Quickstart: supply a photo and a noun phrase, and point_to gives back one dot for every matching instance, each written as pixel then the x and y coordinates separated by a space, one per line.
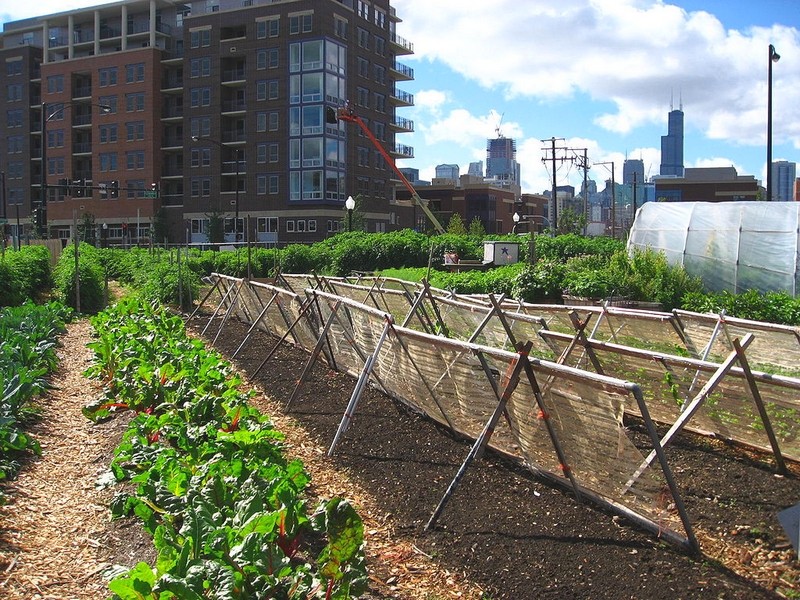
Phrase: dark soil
pixel 515 535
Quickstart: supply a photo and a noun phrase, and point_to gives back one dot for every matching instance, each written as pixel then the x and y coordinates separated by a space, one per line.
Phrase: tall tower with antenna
pixel 672 143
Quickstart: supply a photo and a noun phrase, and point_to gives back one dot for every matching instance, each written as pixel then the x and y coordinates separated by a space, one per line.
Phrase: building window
pixel 294 154
pixel 380 45
pixel 268 28
pixel 273 153
pixel 261 121
pixel 261 154
pixel 201 186
pixel 55 166
pixel 312 55
pixel 290 226
pixel 15 143
pixel 380 103
pixel 134 130
pixel 312 185
pixel 380 18
pixel 14 118
pixel 134 73
pixel 14 92
pixel 362 156
pixel 340 27
pixel 14 67
pixel 200 38
pixel 108 161
pixel 200 97
pixel 273 121
pixel 301 226
pixel 380 74
pixel 363 67
pixel 300 23
pixel 363 38
pixel 55 138
pixel 312 87
pixel 200 67
pixel 110 102
pixel 55 84
pixel 261 184
pixel 272 89
pixel 134 160
pixel 273 184
pixel 200 126
pixel 267 224
pixel 363 9
pixel 200 157
pixel 362 96
pixel 108 133
pixel 108 76
pixel 134 102
pixel 312 225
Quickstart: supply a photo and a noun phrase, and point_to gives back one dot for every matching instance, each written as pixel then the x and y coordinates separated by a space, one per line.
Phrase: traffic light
pixel 154 190
pixel 115 189
pixel 77 188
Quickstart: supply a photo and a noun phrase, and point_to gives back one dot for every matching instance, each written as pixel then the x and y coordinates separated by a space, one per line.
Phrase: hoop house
pixel 732 246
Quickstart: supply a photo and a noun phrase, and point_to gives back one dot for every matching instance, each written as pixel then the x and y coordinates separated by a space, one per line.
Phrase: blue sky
pixel 600 73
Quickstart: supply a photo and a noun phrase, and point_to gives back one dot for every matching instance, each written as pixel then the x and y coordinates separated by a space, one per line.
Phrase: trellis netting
pixel 733 246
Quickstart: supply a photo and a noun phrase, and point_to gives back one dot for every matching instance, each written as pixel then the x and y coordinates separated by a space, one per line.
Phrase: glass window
pixel 312 120
pixel 312 185
pixel 312 87
pixel 294 154
pixel 312 152
pixel 294 57
pixel 312 55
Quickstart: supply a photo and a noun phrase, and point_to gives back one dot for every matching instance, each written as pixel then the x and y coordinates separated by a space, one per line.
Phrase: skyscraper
pixel 476 169
pixel 501 164
pixel 672 145
pixel 205 107
pixel 447 171
pixel 784 174
pixel 630 168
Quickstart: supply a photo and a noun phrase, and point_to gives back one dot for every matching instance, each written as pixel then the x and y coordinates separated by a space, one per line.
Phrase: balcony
pixel 401 124
pixel 402 151
pixel 401 46
pixel 230 106
pixel 402 98
pixel 233 75
pixel 402 72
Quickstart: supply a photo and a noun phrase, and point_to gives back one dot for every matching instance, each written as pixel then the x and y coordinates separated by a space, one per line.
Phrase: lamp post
pixel 516 219
pixel 43 180
pixel 349 204
pixel 236 150
pixel 773 58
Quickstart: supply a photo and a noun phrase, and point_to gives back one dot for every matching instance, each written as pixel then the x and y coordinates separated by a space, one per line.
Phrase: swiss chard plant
pixel 206 474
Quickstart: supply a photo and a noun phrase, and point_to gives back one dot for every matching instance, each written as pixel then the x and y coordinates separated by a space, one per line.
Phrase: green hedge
pixel 24 275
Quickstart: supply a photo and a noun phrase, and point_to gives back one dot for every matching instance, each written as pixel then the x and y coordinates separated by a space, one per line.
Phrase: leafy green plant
pixel 207 476
pixel 27 356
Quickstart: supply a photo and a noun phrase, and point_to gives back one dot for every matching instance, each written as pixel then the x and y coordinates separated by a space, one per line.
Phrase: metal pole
pixel 236 216
pixel 773 57
pixel 77 263
pixel 349 220
pixel 43 179
pixel 554 220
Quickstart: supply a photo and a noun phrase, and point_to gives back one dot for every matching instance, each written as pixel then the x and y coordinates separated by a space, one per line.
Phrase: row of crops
pixel 29 335
pixel 207 475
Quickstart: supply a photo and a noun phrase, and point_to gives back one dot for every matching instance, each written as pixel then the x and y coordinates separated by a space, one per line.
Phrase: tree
pixel 160 230
pixel 570 221
pixel 216 227
pixel 456 225
pixel 476 228
pixel 86 229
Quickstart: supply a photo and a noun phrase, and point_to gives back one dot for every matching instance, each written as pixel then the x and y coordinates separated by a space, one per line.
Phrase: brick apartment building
pixel 166 115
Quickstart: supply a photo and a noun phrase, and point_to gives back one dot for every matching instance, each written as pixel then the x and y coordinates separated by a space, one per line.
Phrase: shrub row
pixel 225 508
pixel 24 275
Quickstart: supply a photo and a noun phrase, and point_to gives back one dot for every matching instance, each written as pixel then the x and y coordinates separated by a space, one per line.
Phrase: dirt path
pixel 53 524
pixel 56 539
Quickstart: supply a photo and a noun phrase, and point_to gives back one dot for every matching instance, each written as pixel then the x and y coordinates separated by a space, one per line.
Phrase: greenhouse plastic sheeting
pixel 733 246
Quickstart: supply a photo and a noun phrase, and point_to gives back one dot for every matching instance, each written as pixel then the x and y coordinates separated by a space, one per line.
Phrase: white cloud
pixel 630 53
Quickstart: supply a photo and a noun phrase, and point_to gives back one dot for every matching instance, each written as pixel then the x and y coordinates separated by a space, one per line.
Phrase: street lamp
pixel 105 109
pixel 236 150
pixel 349 204
pixel 516 219
pixel 773 58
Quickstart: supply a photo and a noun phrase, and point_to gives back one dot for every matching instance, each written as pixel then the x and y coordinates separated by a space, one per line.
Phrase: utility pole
pixel 555 159
pixel 583 163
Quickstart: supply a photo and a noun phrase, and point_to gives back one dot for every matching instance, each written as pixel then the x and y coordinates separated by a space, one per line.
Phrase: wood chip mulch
pixel 56 538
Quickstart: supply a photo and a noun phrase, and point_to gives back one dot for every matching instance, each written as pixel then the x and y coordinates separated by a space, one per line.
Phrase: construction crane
pixel 346 113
